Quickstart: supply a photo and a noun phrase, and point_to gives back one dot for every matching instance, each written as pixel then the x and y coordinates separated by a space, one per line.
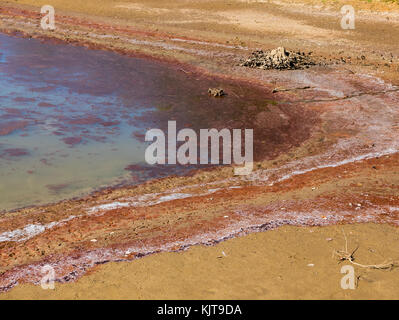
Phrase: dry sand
pixel 287 263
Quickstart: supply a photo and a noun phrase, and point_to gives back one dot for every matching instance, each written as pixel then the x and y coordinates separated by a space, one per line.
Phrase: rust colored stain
pixel 46 105
pixel 151 225
pixel 13 152
pixel 11 126
pixel 57 188
pixel 72 140
pixel 22 99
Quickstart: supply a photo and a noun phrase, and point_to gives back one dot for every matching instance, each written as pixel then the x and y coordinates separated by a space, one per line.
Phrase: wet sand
pixel 345 172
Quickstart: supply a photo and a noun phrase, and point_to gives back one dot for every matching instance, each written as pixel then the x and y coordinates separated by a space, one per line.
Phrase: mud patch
pixel 13 153
pixel 279 59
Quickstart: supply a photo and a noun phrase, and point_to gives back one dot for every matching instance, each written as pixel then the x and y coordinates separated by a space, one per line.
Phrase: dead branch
pixel 345 255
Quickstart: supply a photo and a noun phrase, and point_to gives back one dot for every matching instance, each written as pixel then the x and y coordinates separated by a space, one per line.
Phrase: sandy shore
pixel 288 263
pixel 345 171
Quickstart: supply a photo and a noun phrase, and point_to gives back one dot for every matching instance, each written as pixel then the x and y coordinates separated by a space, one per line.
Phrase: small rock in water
pixel 216 92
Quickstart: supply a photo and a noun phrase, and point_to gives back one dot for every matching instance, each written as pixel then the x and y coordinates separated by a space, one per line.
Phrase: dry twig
pixel 345 255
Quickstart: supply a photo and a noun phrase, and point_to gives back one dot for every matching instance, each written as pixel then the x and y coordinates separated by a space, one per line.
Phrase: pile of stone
pixel 280 59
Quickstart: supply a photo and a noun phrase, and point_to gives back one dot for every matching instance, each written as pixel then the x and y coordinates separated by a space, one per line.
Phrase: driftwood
pixel 346 255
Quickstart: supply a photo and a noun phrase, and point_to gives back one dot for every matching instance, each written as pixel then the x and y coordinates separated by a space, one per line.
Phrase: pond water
pixel 73 120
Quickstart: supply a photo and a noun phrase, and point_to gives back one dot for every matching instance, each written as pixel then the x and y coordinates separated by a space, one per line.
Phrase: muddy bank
pixel 197 29
pixel 126 224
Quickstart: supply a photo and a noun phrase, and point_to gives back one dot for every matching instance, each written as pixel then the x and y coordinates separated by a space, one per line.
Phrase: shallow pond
pixel 73 120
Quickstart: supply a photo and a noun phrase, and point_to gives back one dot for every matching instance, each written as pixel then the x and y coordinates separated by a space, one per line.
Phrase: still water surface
pixel 73 120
